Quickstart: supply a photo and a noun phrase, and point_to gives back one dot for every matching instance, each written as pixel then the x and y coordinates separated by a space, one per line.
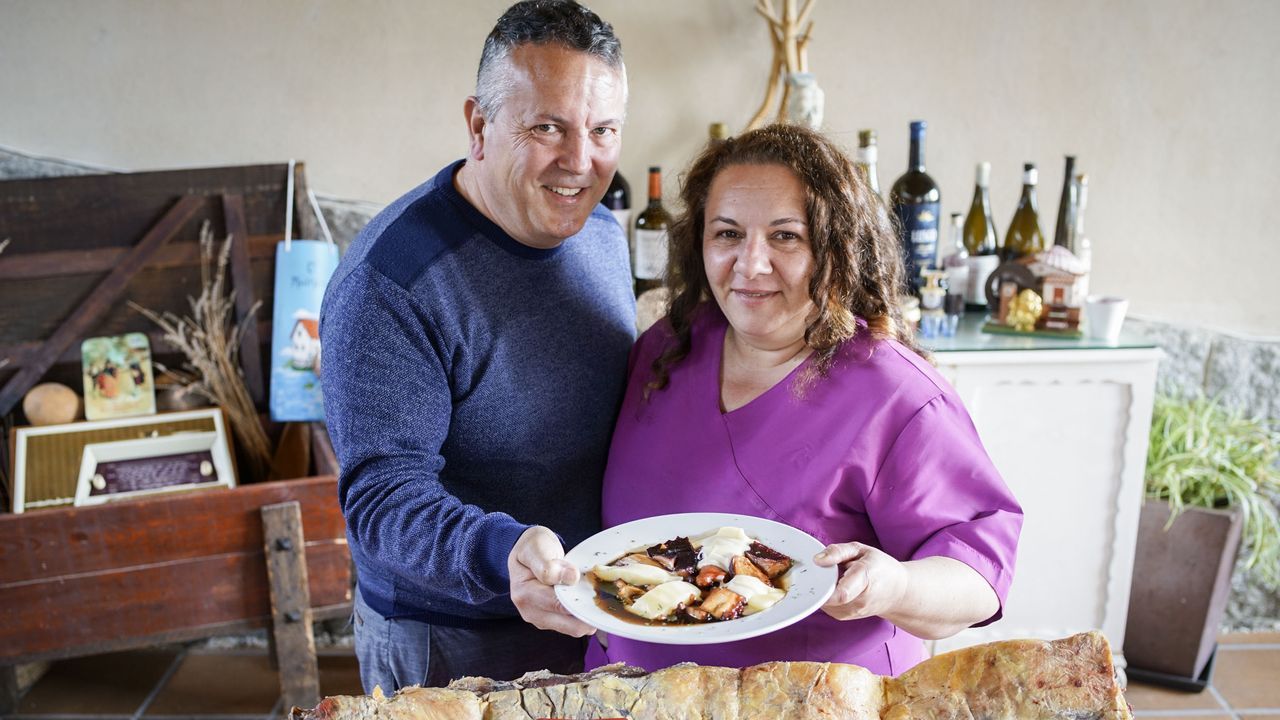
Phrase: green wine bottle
pixel 1066 206
pixel 718 132
pixel 1025 237
pixel 979 226
pixel 980 239
pixel 649 241
pixel 865 159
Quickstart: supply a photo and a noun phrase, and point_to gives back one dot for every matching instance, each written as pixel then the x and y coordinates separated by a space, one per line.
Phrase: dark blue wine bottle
pixel 917 201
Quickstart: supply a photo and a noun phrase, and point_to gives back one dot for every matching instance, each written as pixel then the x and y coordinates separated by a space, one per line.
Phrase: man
pixel 475 341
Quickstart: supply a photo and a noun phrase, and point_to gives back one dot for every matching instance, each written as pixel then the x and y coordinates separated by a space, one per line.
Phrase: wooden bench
pixel 89 580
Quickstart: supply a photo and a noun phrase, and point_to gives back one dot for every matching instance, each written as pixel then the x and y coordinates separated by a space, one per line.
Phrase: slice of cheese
pixel 634 574
pixel 759 596
pixel 664 599
pixel 719 549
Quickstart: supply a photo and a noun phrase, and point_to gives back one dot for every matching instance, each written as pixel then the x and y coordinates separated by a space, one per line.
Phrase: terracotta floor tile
pixel 1152 697
pixel 1251 638
pixel 339 675
pixel 219 683
pixel 1249 678
pixel 115 683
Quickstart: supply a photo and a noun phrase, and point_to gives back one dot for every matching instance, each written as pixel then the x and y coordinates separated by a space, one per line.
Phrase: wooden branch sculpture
pixel 790 54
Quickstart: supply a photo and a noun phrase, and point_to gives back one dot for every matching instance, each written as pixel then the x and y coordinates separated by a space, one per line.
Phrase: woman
pixel 783 384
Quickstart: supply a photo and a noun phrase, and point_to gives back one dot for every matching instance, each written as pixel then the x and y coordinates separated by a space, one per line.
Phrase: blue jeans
pixel 396 652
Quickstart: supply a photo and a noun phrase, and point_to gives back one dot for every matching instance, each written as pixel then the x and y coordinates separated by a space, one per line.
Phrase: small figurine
pixel 1024 311
pixel 1055 277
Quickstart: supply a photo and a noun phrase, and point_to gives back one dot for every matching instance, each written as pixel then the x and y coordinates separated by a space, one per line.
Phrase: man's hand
pixel 535 564
pixel 873 583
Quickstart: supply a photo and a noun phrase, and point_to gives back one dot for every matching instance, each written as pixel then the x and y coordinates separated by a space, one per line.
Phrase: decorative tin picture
pixel 118 380
pixel 303 268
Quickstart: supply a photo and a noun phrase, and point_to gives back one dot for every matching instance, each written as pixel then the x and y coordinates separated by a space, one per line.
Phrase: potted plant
pixel 1211 483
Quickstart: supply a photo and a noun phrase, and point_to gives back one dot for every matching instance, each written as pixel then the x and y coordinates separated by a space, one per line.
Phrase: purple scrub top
pixel 880 451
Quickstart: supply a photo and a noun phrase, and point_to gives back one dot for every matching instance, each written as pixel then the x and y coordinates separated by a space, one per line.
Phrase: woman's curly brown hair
pixel 857 262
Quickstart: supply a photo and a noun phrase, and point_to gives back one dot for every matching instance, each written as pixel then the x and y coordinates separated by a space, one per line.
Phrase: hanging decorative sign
pixel 303 269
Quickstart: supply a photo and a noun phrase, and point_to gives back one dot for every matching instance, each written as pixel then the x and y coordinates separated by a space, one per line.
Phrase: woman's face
pixel 755 245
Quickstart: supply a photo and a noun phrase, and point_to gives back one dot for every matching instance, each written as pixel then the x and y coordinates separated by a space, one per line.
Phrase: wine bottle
pixel 719 132
pixel 1080 245
pixel 649 241
pixel 1025 237
pixel 980 238
pixel 618 200
pixel 917 200
pixel 1066 206
pixel 865 159
pixel 956 263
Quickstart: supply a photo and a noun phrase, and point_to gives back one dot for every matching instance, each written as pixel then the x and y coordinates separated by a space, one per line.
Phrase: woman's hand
pixel 931 598
pixel 872 582
pixel 536 564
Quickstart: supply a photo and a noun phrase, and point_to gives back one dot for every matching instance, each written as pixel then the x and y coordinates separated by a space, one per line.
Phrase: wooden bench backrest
pixel 79 581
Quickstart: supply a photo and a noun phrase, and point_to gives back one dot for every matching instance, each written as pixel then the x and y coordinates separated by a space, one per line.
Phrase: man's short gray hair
pixel 540 22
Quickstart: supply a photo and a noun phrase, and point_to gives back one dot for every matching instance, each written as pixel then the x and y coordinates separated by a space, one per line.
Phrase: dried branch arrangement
pixel 210 340
pixel 790 53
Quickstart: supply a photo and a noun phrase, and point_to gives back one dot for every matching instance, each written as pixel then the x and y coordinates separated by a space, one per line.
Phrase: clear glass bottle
pixel 956 263
pixel 1080 245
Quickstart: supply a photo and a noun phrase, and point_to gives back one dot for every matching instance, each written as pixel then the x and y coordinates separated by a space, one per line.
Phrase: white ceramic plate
pixel 811 585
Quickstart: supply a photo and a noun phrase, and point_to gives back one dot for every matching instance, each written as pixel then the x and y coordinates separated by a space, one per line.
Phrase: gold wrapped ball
pixel 1025 310
pixel 51 404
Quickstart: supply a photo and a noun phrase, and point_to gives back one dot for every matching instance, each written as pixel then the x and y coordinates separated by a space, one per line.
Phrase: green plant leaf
pixel 1202 454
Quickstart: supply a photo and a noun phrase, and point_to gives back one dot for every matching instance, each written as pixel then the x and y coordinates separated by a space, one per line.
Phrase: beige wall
pixel 1169 104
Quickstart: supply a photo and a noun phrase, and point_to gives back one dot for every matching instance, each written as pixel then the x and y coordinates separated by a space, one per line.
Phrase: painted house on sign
pixel 304 344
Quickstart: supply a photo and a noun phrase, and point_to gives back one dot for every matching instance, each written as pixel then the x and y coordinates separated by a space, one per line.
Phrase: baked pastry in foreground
pixel 1026 679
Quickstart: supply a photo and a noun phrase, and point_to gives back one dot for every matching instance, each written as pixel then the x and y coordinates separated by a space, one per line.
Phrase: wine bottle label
pixel 650 261
pixel 624 218
pixel 980 268
pixel 958 278
pixel 920 238
pixel 866 155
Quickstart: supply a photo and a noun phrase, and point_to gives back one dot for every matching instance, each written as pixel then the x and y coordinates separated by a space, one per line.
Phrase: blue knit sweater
pixel 470 386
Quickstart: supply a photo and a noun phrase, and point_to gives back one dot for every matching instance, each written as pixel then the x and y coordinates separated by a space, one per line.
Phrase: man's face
pixel 544 161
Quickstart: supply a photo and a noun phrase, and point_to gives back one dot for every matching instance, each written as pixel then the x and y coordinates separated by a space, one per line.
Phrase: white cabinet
pixel 1066 423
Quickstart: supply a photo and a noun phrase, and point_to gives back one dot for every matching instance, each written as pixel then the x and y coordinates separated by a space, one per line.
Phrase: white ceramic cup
pixel 1104 316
